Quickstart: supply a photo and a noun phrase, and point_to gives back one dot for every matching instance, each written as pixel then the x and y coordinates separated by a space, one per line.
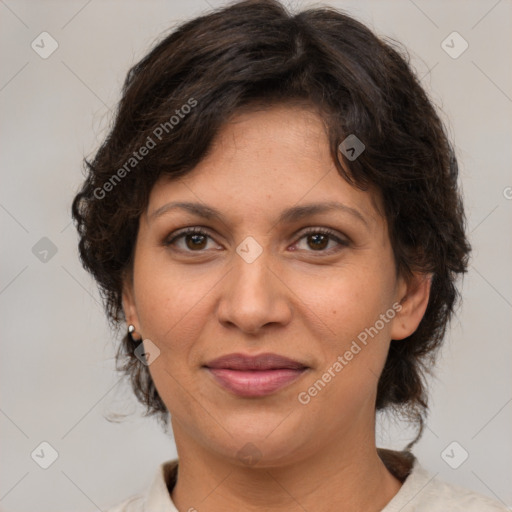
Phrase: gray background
pixel 57 363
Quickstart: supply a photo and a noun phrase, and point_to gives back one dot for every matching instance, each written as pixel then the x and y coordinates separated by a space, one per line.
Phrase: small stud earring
pixel 131 330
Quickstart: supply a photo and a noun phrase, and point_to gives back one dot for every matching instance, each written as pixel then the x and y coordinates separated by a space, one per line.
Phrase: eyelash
pixel 197 230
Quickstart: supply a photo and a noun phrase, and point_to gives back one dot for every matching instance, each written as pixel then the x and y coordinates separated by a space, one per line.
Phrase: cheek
pixel 350 299
pixel 170 300
pixel 173 309
pixel 351 305
pixel 355 345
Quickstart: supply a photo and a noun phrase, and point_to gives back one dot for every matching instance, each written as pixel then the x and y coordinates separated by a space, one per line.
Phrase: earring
pixel 131 329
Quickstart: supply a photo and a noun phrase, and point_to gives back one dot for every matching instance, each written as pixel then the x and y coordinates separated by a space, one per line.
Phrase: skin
pixel 295 299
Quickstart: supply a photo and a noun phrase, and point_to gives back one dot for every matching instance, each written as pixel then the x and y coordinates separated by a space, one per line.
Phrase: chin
pixel 263 444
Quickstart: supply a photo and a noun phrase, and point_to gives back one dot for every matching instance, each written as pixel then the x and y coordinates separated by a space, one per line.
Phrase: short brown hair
pixel 255 51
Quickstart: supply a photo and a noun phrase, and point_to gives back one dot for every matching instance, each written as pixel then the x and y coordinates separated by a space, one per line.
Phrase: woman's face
pixel 260 278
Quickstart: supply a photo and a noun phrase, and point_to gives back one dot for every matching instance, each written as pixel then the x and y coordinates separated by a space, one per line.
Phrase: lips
pixel 260 362
pixel 254 376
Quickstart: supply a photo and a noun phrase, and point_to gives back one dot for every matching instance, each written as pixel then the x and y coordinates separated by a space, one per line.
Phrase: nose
pixel 254 296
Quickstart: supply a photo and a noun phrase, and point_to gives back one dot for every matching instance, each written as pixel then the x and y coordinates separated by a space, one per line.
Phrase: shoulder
pixel 156 496
pixel 421 492
pixel 133 504
pixel 444 496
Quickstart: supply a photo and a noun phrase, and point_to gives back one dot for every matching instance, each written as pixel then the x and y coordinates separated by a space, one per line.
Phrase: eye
pixel 318 239
pixel 194 239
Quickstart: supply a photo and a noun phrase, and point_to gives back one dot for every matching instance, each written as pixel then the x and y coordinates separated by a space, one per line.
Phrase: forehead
pixel 264 160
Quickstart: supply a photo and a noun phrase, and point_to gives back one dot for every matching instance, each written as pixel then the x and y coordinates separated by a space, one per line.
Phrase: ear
pixel 413 295
pixel 129 306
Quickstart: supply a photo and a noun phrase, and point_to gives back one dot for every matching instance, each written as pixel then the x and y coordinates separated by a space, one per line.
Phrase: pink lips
pixel 255 376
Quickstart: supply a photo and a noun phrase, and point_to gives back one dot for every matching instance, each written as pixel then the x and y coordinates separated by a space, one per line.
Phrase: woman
pixel 276 219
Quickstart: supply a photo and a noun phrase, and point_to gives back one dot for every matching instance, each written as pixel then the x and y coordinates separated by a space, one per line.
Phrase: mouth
pixel 255 376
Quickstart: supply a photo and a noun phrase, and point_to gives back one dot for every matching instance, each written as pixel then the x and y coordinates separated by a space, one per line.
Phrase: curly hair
pixel 176 99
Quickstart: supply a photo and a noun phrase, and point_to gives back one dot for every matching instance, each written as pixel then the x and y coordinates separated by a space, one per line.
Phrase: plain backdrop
pixel 57 368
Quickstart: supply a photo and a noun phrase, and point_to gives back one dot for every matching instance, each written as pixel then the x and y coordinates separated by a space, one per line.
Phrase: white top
pixel 420 491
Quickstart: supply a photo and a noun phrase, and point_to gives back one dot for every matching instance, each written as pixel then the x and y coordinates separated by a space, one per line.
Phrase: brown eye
pixel 195 241
pixel 189 240
pixel 319 239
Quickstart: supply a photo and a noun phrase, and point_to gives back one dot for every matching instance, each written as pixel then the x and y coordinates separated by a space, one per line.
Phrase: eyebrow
pixel 289 215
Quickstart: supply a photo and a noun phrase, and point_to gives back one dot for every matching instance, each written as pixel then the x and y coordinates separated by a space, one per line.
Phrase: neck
pixel 349 477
